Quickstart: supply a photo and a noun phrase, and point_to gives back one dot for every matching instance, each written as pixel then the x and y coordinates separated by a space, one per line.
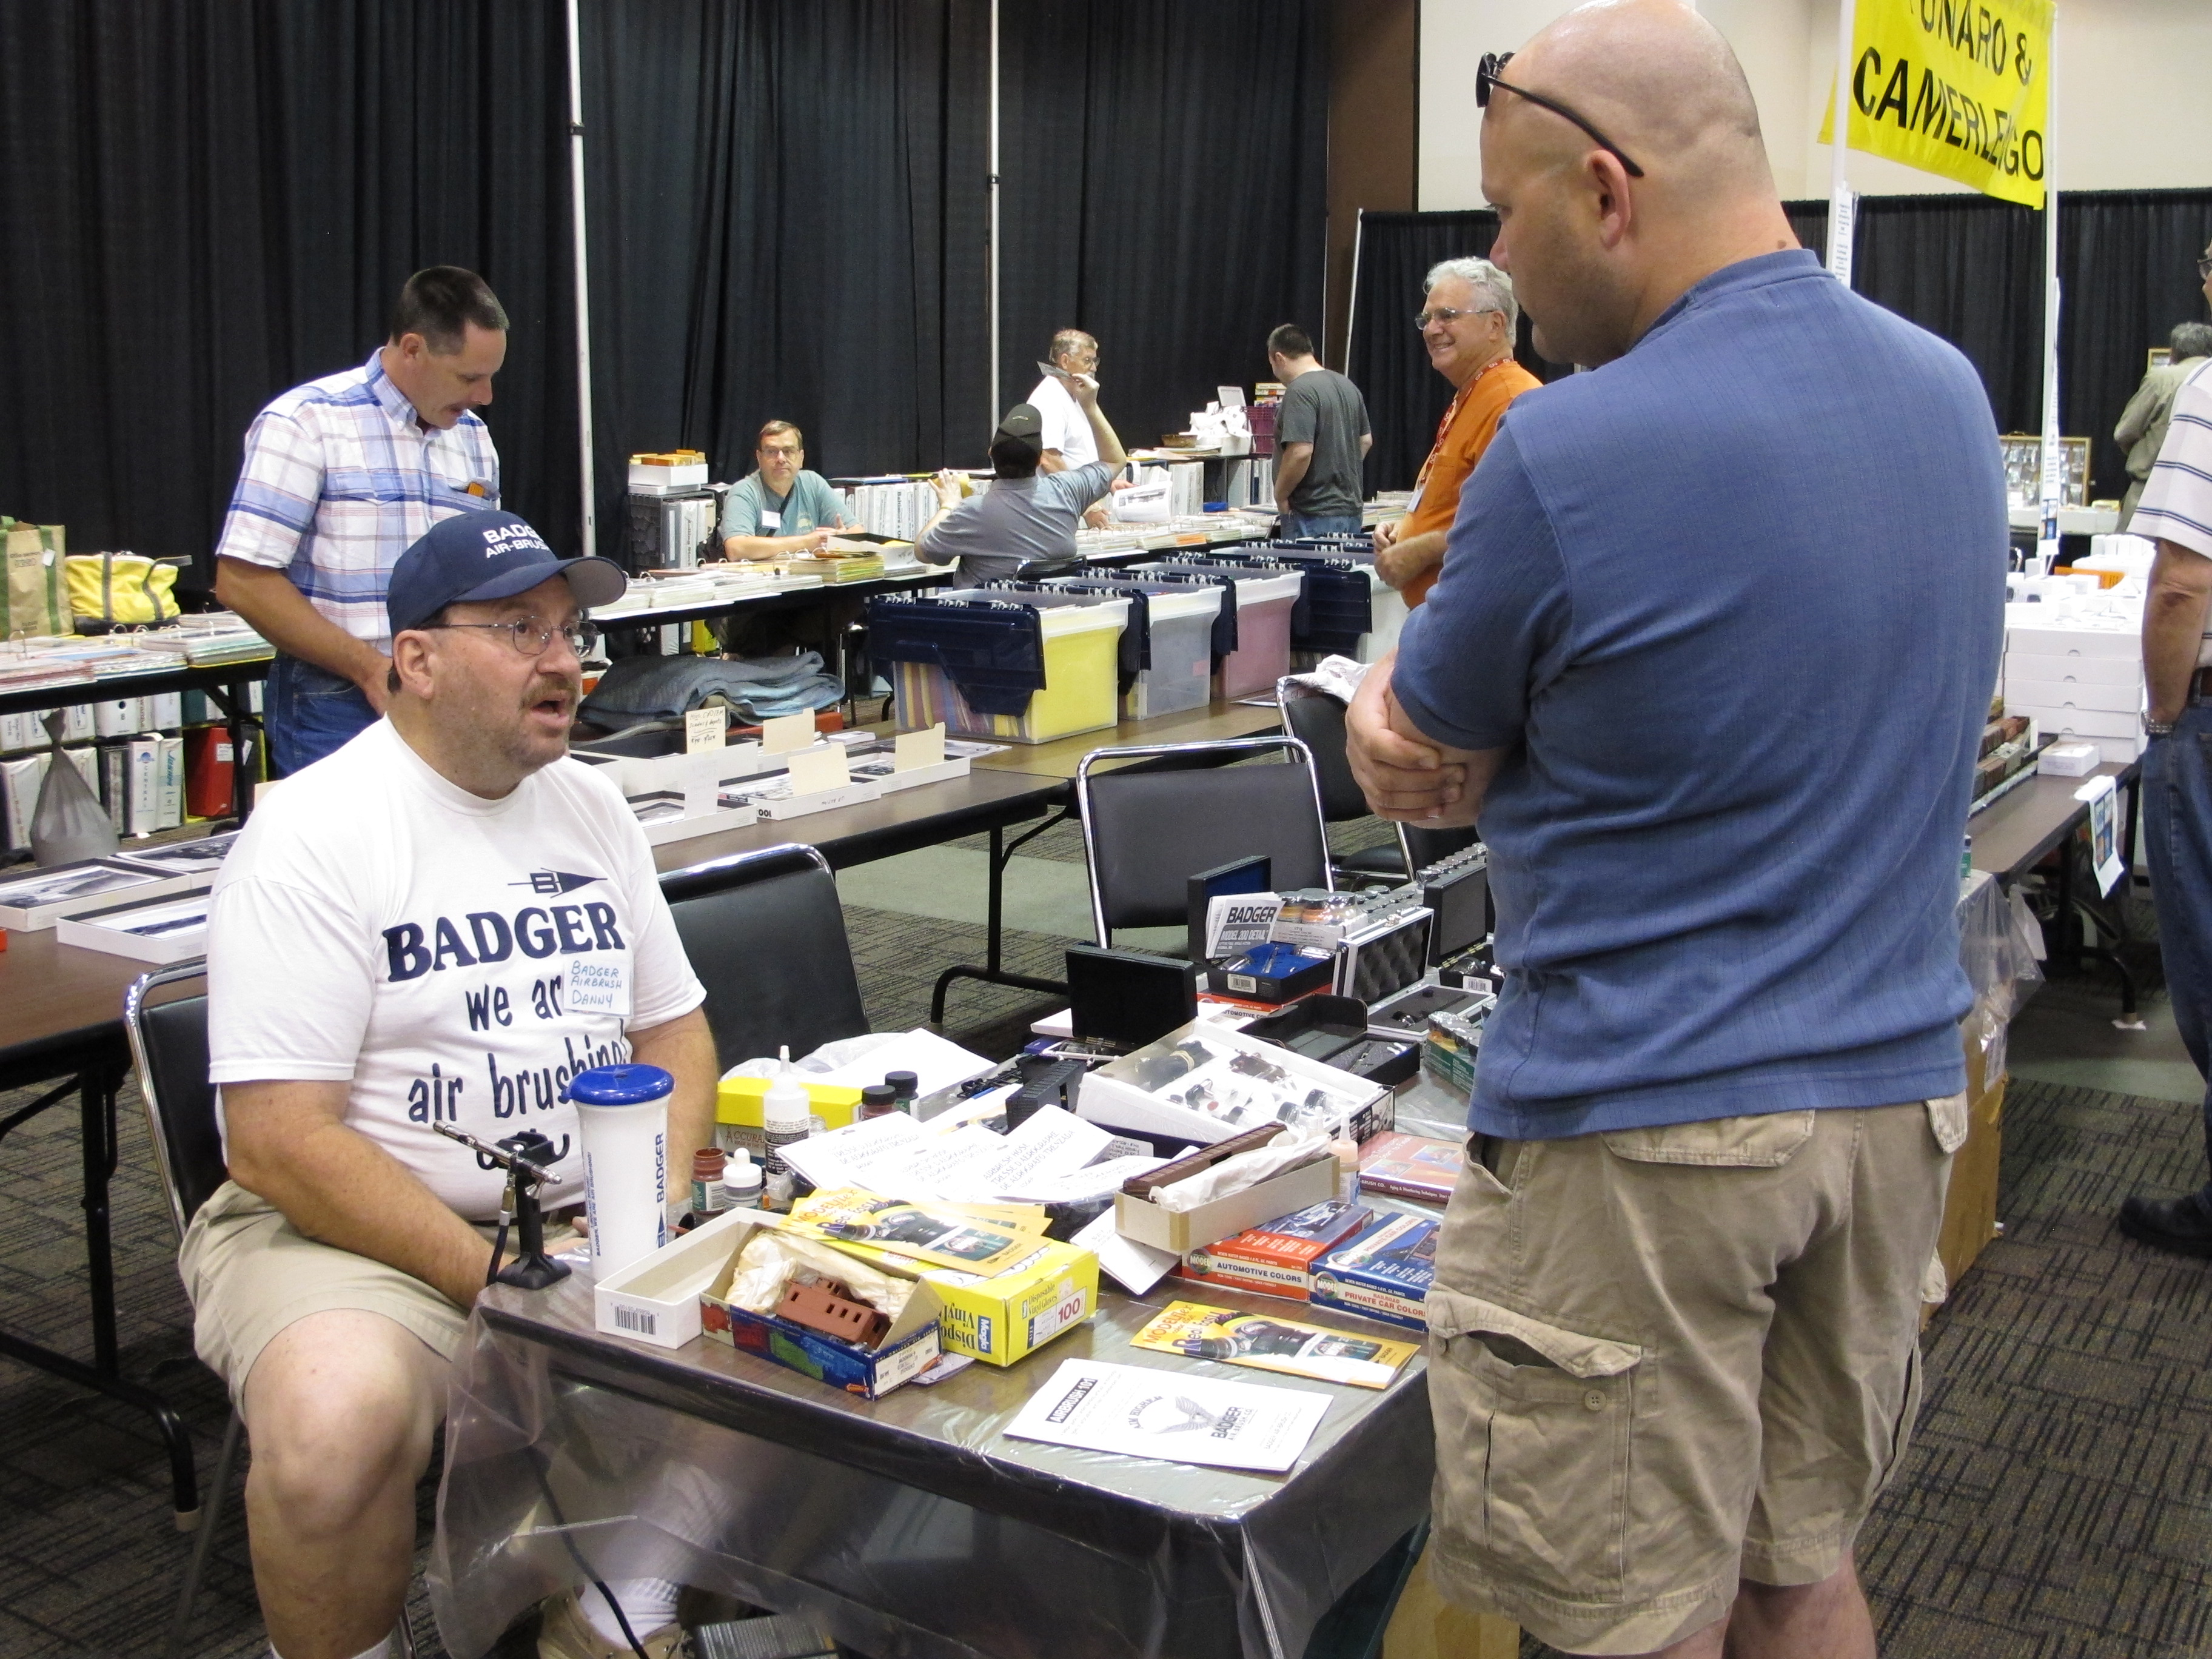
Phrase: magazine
pixel 1268 1344
pixel 1171 1415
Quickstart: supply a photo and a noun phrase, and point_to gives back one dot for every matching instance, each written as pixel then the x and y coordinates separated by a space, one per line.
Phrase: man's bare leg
pixel 1827 1620
pixel 340 1408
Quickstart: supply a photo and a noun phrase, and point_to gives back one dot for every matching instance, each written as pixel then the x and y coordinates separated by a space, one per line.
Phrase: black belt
pixel 2200 685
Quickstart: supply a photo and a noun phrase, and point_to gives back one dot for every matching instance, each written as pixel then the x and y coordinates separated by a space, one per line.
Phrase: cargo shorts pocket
pixel 1766 1141
pixel 1534 1427
pixel 1947 1120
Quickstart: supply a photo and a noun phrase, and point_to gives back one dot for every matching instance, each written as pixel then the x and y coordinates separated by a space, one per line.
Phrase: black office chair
pixel 1318 718
pixel 766 935
pixel 169 1042
pixel 1146 833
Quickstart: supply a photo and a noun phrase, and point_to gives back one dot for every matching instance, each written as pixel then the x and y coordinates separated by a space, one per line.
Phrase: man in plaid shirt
pixel 342 475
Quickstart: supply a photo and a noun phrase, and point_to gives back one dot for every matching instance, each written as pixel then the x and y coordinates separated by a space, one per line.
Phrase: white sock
pixel 647 1604
pixel 381 1650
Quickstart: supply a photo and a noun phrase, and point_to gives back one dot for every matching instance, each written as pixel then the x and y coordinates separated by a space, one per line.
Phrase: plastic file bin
pixel 1175 666
pixel 1080 640
pixel 1365 631
pixel 1264 600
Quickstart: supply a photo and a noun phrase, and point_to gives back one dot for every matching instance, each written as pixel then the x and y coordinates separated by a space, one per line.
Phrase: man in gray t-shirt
pixel 1028 512
pixel 1321 436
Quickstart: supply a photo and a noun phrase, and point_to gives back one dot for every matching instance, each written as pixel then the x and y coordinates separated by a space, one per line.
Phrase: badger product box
pixel 901 1353
pixel 1277 1260
pixel 1011 1314
pixel 1384 1273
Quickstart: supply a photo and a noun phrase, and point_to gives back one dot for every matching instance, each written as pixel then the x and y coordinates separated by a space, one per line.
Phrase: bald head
pixel 1596 252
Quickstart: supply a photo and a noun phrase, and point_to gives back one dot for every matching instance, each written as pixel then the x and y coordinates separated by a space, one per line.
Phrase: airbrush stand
pixel 525 1157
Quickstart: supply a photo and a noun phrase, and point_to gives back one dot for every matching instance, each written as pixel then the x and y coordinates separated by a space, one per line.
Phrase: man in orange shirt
pixel 1467 327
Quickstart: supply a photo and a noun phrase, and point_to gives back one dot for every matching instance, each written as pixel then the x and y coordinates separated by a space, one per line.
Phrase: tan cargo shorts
pixel 250 1273
pixel 1663 1360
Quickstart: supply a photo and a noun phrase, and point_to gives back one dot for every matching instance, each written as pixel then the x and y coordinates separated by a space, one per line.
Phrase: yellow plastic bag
pixel 122 587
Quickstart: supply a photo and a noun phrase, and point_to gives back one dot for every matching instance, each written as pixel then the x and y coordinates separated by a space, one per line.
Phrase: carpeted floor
pixel 2057 1500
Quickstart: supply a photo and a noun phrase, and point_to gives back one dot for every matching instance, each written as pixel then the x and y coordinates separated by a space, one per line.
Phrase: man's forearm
pixel 1290 471
pixel 280 613
pixel 1400 562
pixel 684 1049
pixel 337 1186
pixel 2174 627
pixel 764 547
pixel 1102 433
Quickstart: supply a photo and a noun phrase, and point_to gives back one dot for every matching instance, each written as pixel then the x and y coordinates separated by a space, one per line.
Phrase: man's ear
pixel 412 654
pixel 1607 182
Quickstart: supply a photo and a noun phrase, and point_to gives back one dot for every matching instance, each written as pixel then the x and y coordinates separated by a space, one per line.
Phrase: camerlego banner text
pixel 1953 87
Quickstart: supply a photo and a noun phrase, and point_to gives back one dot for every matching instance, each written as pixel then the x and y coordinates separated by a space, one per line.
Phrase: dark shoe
pixel 2180 1224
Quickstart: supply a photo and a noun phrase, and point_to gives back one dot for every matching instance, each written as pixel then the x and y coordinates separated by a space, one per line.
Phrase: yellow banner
pixel 1952 88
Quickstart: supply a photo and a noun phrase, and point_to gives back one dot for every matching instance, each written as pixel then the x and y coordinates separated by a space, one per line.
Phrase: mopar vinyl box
pixel 907 1349
pixel 1011 1314
pixel 1384 1273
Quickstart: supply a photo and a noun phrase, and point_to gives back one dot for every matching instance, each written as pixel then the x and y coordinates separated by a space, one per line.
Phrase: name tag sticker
pixel 771 522
pixel 599 985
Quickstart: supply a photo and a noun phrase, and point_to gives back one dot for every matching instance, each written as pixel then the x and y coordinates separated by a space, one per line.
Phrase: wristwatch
pixel 2157 728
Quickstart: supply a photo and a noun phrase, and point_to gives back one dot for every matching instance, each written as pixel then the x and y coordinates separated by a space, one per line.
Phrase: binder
pixel 144 785
pixel 168 783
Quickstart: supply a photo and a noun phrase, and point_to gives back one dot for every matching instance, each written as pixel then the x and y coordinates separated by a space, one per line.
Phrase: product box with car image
pixel 1206 1082
pixel 1278 1259
pixel 1384 1273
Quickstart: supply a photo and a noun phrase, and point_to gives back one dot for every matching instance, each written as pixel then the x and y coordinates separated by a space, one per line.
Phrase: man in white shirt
pixel 397 943
pixel 1069 441
pixel 2176 511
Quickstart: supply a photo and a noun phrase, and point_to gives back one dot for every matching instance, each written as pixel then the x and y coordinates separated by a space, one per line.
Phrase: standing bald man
pixel 1710 656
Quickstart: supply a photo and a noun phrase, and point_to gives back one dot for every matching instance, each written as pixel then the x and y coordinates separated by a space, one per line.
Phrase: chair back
pixel 169 1042
pixel 766 935
pixel 1316 719
pixel 1146 833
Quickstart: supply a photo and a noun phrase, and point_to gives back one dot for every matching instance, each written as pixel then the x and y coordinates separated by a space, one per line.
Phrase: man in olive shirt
pixel 780 509
pixel 2141 430
pixel 1321 436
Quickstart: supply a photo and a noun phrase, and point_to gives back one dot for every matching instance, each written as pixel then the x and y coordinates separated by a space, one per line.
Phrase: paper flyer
pixel 1171 1416
pixel 942 1238
pixel 1268 1344
pixel 2103 832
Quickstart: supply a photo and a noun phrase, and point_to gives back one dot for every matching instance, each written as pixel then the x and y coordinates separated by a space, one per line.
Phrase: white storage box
pixel 2022 664
pixel 2077 758
pixel 656 1297
pixel 1143 1090
pixel 2061 723
pixel 2076 641
pixel 2050 697
pixel 163 932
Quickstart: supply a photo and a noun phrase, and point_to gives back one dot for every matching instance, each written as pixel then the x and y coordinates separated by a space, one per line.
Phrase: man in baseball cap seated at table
pixel 394 945
pixel 1031 510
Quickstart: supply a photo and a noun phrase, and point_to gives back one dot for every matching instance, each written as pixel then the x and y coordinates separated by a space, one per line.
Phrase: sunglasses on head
pixel 1485 77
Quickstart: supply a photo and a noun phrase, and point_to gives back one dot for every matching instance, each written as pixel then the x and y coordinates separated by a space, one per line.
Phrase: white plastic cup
pixel 621 1117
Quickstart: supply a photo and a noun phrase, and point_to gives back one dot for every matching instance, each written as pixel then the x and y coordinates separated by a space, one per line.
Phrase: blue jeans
pixel 309 712
pixel 1318 524
pixel 2177 827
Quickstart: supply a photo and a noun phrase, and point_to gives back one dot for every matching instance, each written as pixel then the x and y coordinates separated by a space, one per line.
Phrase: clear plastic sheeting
pixel 2001 947
pixel 910 1525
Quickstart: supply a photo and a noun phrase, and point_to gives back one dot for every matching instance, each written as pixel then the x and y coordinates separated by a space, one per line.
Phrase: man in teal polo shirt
pixel 780 509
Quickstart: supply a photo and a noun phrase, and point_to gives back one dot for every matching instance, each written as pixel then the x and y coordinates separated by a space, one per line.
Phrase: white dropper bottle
pixel 786 1115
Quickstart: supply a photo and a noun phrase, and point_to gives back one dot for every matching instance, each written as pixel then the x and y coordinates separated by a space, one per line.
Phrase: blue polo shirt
pixel 1734 603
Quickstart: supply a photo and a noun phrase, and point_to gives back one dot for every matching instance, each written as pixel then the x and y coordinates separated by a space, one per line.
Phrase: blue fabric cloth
pixel 309 712
pixel 1293 524
pixel 2177 808
pixel 1734 604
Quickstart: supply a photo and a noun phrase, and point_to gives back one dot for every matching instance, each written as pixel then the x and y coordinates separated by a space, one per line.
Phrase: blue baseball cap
pixel 488 556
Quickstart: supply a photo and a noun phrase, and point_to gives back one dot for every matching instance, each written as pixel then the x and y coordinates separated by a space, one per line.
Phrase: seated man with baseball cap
pixel 1030 511
pixel 394 945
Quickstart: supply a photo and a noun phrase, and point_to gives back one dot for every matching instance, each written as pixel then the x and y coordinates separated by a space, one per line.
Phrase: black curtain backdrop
pixel 1165 189
pixel 1967 268
pixel 206 204
pixel 1406 399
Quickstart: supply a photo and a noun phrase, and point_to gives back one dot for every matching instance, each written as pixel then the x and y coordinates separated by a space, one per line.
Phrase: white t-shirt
pixel 454 959
pixel 1066 427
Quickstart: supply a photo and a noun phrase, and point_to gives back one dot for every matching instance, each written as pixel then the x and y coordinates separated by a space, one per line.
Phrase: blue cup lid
pixel 618 1086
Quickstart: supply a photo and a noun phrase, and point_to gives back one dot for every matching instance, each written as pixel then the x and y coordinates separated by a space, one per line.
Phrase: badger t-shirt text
pixel 455 960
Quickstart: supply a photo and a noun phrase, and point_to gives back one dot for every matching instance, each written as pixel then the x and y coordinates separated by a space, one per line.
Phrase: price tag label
pixel 705 729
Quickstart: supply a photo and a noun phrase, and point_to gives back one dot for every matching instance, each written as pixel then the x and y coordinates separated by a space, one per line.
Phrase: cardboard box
pixel 903 1352
pixel 1969 1202
pixel 1384 1273
pixel 1185 1231
pixel 1278 1259
pixel 1117 1094
pixel 2020 664
pixel 2024 695
pixel 1009 1315
pixel 2085 723
pixel 738 1102
pixel 2075 642
pixel 655 1299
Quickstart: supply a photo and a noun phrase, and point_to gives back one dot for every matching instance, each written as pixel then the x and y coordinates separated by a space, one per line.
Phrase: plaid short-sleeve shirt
pixel 340 479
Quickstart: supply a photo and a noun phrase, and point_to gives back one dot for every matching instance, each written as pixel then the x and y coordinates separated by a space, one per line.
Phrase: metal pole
pixel 1842 205
pixel 1351 300
pixel 2054 452
pixel 990 234
pixel 583 285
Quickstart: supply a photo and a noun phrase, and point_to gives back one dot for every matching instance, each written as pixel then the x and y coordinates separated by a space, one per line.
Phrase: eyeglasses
pixel 1485 77
pixel 532 638
pixel 784 454
pixel 1446 314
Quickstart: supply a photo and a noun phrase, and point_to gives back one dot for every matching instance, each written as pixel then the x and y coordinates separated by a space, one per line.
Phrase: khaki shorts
pixel 1663 1360
pixel 250 1273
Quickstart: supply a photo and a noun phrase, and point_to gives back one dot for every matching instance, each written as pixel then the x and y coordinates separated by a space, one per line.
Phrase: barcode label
pixel 635 1319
